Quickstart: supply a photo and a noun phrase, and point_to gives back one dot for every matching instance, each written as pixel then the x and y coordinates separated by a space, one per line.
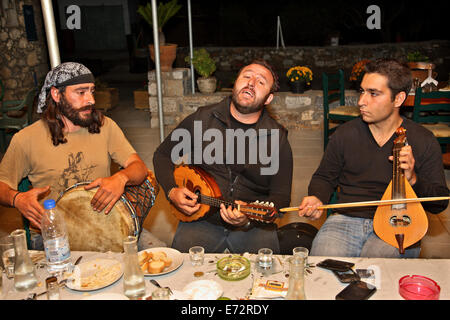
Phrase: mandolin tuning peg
pixel 256 202
pixel 272 205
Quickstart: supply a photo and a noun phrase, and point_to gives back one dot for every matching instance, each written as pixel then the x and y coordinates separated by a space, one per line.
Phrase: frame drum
pixel 89 230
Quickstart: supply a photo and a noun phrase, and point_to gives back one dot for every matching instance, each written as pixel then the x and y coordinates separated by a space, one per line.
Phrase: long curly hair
pixel 52 116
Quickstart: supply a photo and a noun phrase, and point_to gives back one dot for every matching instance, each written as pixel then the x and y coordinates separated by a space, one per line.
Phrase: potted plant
pixel 357 73
pixel 299 77
pixel 165 11
pixel 205 67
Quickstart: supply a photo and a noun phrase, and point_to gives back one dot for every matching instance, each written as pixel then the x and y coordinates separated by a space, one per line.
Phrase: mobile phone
pixel 346 276
pixel 365 273
pixel 336 265
pixel 356 290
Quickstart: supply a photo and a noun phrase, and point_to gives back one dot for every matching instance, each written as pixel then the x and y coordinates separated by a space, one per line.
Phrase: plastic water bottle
pixel 56 242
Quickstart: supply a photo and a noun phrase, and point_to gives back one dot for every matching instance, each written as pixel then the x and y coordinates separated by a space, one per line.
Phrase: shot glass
pixel 265 258
pixel 52 288
pixel 161 294
pixel 197 255
pixel 8 255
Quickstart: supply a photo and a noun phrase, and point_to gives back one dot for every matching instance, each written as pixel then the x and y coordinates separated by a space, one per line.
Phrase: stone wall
pixel 294 111
pixel 320 59
pixel 21 61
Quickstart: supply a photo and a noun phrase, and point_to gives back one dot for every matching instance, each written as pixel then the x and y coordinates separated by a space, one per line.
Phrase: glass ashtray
pixel 418 288
pixel 233 268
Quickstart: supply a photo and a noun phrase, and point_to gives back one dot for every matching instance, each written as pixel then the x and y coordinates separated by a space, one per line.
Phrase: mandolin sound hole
pixel 402 221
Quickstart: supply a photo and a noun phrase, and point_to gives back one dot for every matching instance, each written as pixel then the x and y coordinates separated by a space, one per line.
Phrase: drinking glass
pixel 7 254
pixel 161 294
pixel 265 258
pixel 197 255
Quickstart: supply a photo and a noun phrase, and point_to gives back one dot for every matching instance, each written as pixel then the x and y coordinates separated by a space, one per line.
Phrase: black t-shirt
pixel 354 162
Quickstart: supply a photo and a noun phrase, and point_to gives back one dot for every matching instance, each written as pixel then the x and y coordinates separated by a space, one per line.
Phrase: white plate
pixel 95 274
pixel 203 290
pixel 175 255
pixel 106 296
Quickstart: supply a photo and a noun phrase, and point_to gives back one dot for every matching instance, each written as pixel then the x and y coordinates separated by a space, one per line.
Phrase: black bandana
pixel 66 74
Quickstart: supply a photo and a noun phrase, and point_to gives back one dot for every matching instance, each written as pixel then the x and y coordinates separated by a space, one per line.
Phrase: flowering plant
pixel 357 70
pixel 298 73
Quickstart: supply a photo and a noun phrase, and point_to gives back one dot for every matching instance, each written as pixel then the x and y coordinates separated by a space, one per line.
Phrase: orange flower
pixel 298 73
pixel 357 70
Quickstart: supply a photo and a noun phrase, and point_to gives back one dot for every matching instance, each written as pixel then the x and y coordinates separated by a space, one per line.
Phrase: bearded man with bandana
pixel 72 142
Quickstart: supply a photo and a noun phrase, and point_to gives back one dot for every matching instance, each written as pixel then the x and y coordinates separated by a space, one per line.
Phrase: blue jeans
pixel 216 238
pixel 344 236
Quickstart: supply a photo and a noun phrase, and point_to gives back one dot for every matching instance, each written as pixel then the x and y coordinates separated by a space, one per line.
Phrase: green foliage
pixel 165 11
pixel 416 56
pixel 203 63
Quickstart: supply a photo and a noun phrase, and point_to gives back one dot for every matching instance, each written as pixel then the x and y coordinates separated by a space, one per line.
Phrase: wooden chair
pixel 24 186
pixel 333 90
pixel 434 114
pixel 2 91
pixel 15 115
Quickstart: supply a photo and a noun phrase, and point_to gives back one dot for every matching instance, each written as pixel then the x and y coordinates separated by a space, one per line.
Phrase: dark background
pixel 306 22
pixel 101 43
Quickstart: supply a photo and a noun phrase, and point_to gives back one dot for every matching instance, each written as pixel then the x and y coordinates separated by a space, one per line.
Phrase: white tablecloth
pixel 321 284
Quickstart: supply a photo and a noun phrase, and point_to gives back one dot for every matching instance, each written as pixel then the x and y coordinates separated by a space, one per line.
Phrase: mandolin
pixel 205 187
pixel 400 224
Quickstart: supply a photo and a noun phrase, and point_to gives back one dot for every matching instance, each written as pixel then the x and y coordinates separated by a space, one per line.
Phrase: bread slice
pixel 142 258
pixel 156 266
pixel 159 255
pixel 167 261
pixel 144 267
pixel 145 257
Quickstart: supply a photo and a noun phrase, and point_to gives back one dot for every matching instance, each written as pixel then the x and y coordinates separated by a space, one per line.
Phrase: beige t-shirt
pixel 85 157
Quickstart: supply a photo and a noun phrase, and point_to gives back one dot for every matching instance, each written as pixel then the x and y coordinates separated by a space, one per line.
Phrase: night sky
pixel 307 23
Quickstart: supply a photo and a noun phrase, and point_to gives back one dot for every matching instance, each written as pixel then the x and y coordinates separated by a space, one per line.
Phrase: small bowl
pixel 233 268
pixel 418 288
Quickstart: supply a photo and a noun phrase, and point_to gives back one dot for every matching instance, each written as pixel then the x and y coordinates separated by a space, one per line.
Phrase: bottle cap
pixel 49 204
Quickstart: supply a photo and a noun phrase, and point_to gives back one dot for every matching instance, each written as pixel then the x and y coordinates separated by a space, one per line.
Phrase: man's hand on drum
pixel 28 204
pixel 308 208
pixel 184 200
pixel 233 216
pixel 110 190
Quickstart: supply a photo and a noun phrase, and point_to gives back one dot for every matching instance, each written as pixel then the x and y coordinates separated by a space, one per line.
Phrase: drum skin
pixel 89 230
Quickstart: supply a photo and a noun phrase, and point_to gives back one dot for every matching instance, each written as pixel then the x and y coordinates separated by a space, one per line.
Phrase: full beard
pixel 256 106
pixel 74 115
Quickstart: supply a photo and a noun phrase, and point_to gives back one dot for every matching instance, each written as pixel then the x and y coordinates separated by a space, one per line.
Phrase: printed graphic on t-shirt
pixel 78 170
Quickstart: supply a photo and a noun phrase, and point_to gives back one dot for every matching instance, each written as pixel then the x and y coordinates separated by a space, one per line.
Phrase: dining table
pixel 319 283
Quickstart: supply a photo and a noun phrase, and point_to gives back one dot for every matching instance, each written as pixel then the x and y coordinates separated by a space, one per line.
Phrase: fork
pixel 154 282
